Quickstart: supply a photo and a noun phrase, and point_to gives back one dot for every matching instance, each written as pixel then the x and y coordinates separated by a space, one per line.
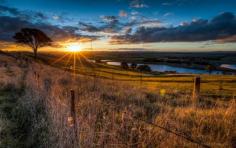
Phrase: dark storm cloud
pixel 70 29
pixel 88 27
pixel 107 28
pixel 12 20
pixel 220 27
pixel 11 25
pixel 110 24
pixel 4 9
pixel 24 15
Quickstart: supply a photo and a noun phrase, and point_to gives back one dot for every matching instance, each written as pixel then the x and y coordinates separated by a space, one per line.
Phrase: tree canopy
pixel 32 37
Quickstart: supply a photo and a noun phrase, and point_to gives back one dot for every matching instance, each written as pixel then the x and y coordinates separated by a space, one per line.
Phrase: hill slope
pixel 112 113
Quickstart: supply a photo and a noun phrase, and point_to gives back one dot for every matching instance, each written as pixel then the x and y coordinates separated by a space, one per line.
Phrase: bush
pixel 144 68
pixel 124 65
pixel 133 66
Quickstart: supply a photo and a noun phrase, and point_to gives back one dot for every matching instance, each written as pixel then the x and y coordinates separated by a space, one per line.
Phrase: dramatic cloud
pixel 112 20
pixel 113 26
pixel 110 25
pixel 4 9
pixel 23 15
pixel 12 20
pixel 220 27
pixel 138 4
pixel 11 25
pixel 88 27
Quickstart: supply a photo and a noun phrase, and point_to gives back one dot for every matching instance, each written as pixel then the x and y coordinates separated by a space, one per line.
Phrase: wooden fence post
pixel 196 90
pixel 36 76
pixel 72 118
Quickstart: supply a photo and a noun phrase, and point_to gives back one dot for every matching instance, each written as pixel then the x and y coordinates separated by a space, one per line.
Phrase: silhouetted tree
pixel 124 65
pixel 34 38
pixel 133 65
pixel 145 68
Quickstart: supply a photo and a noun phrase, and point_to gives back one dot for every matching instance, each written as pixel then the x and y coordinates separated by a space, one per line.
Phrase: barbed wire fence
pixel 179 134
pixel 168 130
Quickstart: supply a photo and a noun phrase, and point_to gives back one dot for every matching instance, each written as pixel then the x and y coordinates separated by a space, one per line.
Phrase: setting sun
pixel 74 47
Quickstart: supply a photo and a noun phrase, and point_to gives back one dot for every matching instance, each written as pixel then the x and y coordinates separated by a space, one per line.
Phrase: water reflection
pixel 165 68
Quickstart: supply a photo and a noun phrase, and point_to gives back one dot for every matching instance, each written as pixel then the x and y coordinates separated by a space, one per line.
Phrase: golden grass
pixel 108 111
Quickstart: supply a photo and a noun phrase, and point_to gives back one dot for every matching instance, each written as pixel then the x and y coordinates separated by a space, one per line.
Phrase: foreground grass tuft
pixel 23 127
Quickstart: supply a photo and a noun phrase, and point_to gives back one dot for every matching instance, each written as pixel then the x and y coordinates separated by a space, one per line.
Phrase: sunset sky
pixel 157 25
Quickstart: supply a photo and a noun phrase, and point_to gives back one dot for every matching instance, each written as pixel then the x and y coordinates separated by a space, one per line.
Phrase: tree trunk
pixel 35 53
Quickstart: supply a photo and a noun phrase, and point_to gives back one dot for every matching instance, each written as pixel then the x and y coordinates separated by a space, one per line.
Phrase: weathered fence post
pixel 72 118
pixel 196 90
pixel 36 76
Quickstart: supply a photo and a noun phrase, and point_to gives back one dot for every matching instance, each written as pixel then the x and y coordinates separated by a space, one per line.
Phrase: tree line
pixel 135 66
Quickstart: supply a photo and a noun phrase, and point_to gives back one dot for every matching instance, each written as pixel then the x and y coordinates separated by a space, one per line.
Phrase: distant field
pixel 211 84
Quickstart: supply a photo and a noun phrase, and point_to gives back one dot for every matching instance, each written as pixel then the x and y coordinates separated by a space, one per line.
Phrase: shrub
pixel 124 65
pixel 144 68
pixel 133 66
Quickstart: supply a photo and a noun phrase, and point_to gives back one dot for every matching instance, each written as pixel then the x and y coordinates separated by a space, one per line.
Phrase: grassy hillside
pixel 23 122
pixel 211 84
pixel 115 113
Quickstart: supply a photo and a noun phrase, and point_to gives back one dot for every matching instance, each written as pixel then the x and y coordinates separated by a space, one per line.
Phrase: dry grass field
pixel 157 112
pixel 117 74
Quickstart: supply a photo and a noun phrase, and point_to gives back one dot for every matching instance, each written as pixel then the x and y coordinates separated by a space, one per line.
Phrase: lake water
pixel 230 66
pixel 163 68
